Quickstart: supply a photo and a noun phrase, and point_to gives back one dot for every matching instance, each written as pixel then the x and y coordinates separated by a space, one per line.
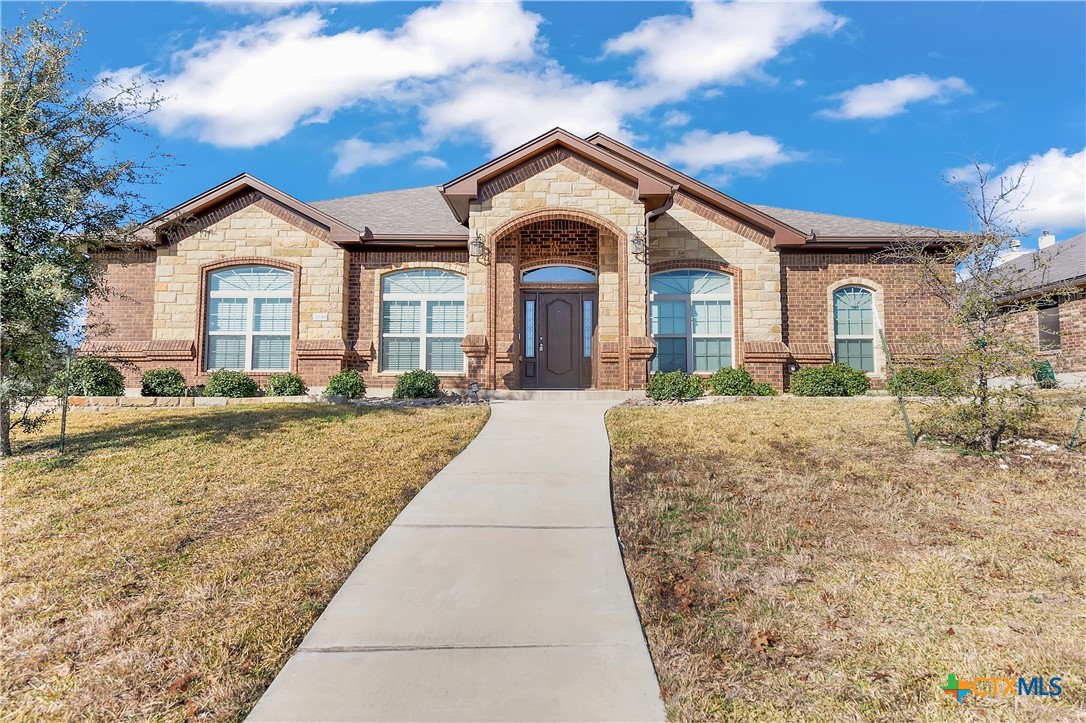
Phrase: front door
pixel 558 352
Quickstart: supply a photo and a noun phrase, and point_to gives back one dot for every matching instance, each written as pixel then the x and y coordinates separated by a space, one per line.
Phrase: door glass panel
pixel 529 328
pixel 587 328
pixel 670 355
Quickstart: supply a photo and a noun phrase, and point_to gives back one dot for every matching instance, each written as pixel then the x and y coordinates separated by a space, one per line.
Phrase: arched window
pixel 559 275
pixel 422 321
pixel 691 320
pixel 249 318
pixel 854 327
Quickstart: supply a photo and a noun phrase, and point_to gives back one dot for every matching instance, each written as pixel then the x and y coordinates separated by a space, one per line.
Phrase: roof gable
pixel 782 233
pixel 460 192
pixel 241 186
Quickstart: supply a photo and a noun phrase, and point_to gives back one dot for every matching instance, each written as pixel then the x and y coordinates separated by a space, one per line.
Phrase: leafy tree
pixel 965 273
pixel 65 195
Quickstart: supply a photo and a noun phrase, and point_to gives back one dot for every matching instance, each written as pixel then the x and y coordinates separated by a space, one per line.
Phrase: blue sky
pixel 857 109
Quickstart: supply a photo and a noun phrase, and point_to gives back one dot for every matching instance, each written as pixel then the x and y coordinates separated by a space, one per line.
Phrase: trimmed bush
pixel 418 384
pixel 912 381
pixel 675 385
pixel 162 383
pixel 348 383
pixel 285 385
pixel 225 383
pixel 90 377
pixel 764 389
pixel 832 380
pixel 731 382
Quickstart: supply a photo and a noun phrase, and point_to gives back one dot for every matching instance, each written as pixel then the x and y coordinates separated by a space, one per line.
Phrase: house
pixel 565 263
pixel 1054 278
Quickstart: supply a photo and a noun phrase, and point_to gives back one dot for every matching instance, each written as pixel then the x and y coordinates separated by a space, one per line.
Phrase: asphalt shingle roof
pixel 1060 263
pixel 409 211
pixel 824 224
pixel 424 211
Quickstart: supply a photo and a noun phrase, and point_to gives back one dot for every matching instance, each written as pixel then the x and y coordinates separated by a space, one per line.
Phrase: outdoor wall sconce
pixel 637 243
pixel 477 248
pixel 474 387
pixel 793 368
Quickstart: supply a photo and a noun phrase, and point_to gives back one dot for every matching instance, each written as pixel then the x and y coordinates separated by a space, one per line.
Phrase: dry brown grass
pixel 168 565
pixel 797 560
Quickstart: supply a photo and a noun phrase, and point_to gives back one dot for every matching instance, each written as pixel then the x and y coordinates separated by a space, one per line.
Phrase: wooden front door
pixel 558 339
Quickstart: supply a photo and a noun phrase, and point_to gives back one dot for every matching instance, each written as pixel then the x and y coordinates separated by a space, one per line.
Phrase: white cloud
pixel 733 152
pixel 1053 192
pixel 430 162
pixel 676 118
pixel 506 108
pixel 354 153
pixel 251 86
pixel 889 97
pixel 718 43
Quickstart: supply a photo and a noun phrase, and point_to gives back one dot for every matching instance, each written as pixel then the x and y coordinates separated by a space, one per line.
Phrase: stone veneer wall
pixel 365 269
pixel 1071 356
pixel 557 186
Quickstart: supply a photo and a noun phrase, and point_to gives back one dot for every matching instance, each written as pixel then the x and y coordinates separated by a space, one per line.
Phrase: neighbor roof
pixel 408 212
pixel 1063 263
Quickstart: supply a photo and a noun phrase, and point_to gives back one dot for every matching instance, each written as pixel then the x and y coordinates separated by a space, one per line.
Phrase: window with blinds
pixel 422 321
pixel 691 319
pixel 854 327
pixel 250 313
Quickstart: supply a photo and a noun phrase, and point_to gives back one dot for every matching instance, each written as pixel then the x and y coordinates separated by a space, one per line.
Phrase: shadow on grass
pixel 209 426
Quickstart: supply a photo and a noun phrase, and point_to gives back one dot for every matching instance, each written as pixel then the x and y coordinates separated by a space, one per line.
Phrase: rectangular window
pixel 857 353
pixel 1048 328
pixel 400 354
pixel 271 352
pixel 400 317
pixel 670 354
pixel 225 352
pixel 712 354
pixel 668 317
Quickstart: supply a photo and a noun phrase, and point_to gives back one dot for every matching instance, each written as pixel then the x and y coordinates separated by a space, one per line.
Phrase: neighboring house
pixel 1055 275
pixel 565 263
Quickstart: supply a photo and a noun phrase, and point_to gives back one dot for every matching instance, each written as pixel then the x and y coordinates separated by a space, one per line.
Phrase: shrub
pixel 764 389
pixel 729 382
pixel 675 385
pixel 285 385
pixel 418 384
pixel 90 377
pixel 225 383
pixel 162 383
pixel 832 380
pixel 916 382
pixel 348 383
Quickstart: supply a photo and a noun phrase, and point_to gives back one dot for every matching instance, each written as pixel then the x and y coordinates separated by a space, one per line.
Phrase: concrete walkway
pixel 497 594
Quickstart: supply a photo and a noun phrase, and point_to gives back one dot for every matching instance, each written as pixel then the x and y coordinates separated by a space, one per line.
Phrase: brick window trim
pixel 555 213
pixel 880 314
pixel 201 313
pixel 374 342
pixel 722 267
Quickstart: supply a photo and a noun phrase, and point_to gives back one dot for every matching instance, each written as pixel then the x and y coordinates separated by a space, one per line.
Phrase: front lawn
pixel 797 560
pixel 170 563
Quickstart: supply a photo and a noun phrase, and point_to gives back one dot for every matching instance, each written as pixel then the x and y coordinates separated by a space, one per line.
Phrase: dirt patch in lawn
pixel 168 565
pixel 797 560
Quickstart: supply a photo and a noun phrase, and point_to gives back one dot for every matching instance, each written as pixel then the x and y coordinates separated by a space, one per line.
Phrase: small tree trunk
pixel 5 428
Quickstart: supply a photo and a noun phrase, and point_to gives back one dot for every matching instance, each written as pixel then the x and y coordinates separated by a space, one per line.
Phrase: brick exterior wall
pixel 1071 356
pixel 365 269
pixel 808 281
pixel 127 314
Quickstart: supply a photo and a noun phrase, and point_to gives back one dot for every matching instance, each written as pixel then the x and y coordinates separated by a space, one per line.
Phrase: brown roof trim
pixel 652 190
pixel 782 233
pixel 338 231
pixel 846 243
pixel 415 240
